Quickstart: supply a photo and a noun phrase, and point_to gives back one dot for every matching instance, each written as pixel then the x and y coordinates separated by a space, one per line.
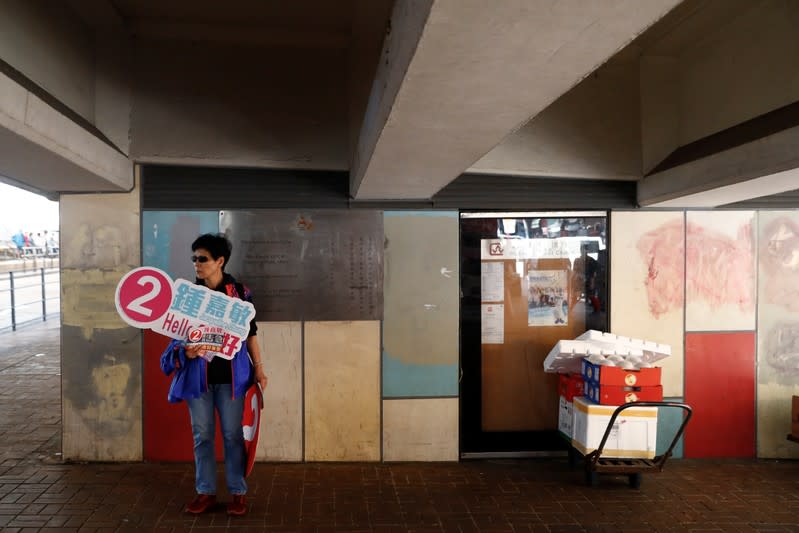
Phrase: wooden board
pixel 420 429
pixel 342 391
pixel 281 423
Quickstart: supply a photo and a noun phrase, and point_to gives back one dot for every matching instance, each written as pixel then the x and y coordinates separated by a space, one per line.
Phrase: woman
pixel 218 385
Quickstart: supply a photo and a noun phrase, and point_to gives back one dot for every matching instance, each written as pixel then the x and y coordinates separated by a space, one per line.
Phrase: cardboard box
pixel 570 385
pixel 565 417
pixel 613 375
pixel 634 433
pixel 619 395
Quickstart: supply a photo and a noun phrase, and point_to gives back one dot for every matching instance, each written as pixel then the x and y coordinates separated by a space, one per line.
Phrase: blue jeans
pixel 203 429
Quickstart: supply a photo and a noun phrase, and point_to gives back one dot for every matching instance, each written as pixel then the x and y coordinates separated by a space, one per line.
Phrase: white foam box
pixel 565 417
pixel 566 356
pixel 634 433
pixel 651 351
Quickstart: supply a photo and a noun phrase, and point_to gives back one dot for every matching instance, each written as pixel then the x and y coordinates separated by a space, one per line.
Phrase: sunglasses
pixel 200 258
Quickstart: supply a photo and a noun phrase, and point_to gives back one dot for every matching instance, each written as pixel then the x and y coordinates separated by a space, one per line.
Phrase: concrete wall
pixel 217 105
pixel 744 69
pixel 101 372
pixel 593 131
pixel 49 44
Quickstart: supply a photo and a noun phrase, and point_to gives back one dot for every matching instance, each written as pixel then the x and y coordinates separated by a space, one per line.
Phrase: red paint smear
pixel 662 249
pixel 720 387
pixel 721 270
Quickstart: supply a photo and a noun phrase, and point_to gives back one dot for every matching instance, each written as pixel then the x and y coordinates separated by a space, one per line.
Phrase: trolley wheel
pixel 635 480
pixel 591 478
pixel 574 458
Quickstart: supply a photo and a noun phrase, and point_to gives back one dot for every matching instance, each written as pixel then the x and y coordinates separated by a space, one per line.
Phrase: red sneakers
pixel 201 504
pixel 238 506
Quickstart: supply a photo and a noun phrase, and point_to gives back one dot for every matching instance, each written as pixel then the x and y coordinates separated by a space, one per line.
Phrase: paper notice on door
pixel 492 324
pixel 492 281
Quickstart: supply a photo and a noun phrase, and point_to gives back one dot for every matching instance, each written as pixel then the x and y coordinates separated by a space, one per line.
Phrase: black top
pixel 219 369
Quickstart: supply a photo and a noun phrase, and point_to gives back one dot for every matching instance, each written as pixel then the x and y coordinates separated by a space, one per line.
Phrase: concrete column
pixel 101 371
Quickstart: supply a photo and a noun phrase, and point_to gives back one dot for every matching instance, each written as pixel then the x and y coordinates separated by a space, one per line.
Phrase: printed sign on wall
pixel 147 298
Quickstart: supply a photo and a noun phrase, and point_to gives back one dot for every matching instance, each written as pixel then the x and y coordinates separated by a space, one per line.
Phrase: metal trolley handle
pixel 660 460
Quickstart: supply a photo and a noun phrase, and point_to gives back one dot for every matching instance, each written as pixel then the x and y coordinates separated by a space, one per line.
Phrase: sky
pixel 23 210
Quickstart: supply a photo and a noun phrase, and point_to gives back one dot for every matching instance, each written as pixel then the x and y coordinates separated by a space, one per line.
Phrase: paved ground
pixel 39 493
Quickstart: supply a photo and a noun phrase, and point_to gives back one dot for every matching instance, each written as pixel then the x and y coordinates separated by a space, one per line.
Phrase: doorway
pixel 528 280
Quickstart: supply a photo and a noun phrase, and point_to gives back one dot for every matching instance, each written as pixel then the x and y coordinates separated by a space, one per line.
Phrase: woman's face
pixel 205 266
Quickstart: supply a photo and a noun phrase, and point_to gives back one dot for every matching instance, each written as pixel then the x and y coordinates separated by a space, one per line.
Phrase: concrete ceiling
pixel 462 85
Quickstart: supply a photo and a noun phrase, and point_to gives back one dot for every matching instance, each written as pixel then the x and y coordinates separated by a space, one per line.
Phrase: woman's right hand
pixel 192 351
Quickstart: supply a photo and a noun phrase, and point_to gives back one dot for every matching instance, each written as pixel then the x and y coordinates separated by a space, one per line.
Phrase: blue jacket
pixel 191 375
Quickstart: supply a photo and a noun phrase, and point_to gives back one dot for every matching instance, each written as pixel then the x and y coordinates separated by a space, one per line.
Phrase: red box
pixel 570 385
pixel 618 395
pixel 613 375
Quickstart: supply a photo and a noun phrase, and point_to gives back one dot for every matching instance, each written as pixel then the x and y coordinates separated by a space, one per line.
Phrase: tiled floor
pixel 39 493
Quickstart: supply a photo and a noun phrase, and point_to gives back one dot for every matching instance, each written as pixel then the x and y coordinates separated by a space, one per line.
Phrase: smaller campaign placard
pixel 147 298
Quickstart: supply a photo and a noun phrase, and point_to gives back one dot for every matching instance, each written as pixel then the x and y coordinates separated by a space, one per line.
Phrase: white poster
pixel 547 298
pixel 492 323
pixel 492 281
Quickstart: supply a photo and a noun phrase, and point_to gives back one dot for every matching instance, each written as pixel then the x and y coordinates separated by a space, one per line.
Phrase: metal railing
pixel 24 289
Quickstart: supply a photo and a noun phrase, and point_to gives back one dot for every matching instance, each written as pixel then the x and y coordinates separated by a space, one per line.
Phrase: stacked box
pixel 569 386
pixel 610 385
pixel 618 395
pixel 634 432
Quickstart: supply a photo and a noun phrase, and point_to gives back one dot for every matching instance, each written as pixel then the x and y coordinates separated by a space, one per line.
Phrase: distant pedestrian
pixel 19 241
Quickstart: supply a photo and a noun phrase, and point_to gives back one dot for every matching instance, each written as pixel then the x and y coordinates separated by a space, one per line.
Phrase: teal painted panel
pixel 421 297
pixel 414 380
pixel 167 238
pixel 669 420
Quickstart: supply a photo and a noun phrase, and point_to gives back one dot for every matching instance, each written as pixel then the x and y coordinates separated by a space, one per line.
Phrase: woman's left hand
pixel 260 377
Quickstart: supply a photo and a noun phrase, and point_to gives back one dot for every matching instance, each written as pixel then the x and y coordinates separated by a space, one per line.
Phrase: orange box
pixel 613 375
pixel 618 395
pixel 570 385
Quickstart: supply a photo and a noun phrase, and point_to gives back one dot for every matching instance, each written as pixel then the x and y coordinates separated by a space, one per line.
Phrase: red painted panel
pixel 167 426
pixel 720 387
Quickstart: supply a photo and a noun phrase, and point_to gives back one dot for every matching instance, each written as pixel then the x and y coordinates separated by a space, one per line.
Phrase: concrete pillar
pixel 101 371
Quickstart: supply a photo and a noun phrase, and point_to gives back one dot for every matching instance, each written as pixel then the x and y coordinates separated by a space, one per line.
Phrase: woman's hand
pixel 192 351
pixel 260 377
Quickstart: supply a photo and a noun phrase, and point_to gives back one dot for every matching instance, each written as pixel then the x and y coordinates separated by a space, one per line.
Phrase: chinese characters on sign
pixel 147 298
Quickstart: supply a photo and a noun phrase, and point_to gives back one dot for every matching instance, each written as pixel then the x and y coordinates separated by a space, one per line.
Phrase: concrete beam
pixel 758 168
pixel 42 148
pixel 457 76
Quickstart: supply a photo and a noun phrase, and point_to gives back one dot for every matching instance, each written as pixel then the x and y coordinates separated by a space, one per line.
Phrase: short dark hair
pixel 217 245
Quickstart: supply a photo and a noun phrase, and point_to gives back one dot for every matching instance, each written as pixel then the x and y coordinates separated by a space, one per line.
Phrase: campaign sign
pixel 147 298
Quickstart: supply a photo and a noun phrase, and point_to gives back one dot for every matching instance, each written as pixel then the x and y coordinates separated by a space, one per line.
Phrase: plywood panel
pixel 420 429
pixel 778 331
pixel 342 391
pixel 647 284
pixel 281 425
pixel 421 300
pixel 720 387
pixel 720 271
